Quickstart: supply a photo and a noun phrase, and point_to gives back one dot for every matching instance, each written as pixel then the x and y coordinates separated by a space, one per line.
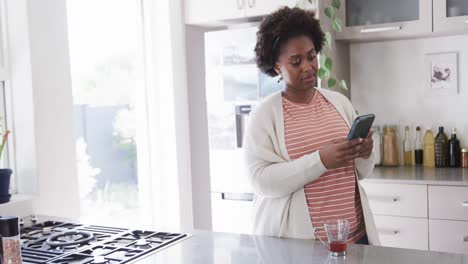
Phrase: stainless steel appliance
pixel 234 86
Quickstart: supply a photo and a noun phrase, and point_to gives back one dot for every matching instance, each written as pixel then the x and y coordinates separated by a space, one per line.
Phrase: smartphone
pixel 361 126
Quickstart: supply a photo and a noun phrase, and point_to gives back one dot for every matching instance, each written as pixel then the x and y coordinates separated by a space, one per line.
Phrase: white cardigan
pixel 280 206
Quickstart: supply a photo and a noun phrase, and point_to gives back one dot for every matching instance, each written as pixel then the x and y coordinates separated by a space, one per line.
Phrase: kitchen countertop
pixel 206 247
pixel 419 175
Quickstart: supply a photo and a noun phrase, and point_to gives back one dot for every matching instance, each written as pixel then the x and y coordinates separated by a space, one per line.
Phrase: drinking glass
pixel 337 234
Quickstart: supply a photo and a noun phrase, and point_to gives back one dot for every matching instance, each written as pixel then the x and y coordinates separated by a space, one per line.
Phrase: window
pixel 106 64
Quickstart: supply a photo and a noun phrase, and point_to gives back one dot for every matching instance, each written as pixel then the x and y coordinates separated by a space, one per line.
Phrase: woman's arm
pixel 278 179
pixel 269 172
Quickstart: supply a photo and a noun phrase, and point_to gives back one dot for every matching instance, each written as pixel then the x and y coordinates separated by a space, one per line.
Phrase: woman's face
pixel 297 63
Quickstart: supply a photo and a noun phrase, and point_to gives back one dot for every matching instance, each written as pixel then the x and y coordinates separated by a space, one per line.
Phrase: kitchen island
pixel 206 247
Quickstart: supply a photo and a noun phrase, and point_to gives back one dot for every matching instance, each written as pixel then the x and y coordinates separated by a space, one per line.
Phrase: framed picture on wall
pixel 442 73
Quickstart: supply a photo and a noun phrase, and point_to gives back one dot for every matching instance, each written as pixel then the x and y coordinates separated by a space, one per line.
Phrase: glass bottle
pixel 454 150
pixel 428 158
pixel 377 145
pixel 418 147
pixel 10 240
pixel 464 158
pixel 441 148
pixel 390 146
pixel 407 150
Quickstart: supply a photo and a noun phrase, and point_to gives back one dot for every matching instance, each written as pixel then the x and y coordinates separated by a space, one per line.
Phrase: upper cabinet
pixel 380 19
pixel 450 16
pixel 206 12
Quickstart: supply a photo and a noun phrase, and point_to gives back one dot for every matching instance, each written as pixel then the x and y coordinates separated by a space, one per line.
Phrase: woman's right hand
pixel 339 152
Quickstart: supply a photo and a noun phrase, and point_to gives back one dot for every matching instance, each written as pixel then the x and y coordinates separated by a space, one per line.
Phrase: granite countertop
pixel 419 175
pixel 205 247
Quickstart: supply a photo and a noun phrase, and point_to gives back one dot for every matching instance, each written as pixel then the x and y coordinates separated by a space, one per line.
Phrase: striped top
pixel 334 195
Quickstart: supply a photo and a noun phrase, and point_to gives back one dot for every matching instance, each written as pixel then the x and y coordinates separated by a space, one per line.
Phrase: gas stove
pixel 64 242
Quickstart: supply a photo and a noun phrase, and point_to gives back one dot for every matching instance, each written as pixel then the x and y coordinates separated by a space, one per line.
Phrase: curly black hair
pixel 280 26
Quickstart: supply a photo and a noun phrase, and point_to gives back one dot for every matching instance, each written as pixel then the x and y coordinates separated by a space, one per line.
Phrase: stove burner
pixel 99 260
pixel 69 243
pixel 69 238
pixel 142 242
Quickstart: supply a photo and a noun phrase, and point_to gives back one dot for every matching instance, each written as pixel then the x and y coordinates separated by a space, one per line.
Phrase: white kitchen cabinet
pixel 402 232
pixel 263 7
pixel 380 19
pixel 448 202
pixel 205 12
pixel 450 16
pixel 397 199
pixel 448 236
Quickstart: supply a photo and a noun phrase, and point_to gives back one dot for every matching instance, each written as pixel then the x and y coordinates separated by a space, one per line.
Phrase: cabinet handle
pixel 390 232
pixel 240 4
pixel 380 29
pixel 251 3
pixel 465 204
pixel 385 199
pixel 238 196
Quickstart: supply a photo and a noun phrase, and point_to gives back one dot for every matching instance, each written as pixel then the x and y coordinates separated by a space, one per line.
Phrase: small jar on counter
pixel 10 245
pixel 390 146
pixel 464 158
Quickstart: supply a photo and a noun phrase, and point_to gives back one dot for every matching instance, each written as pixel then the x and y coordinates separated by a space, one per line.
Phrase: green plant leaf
pixel 331 82
pixel 328 39
pixel 343 85
pixel 323 57
pixel 329 12
pixel 337 24
pixel 321 73
pixel 336 4
pixel 329 64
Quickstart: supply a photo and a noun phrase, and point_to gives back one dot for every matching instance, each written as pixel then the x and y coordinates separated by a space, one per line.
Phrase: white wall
pixel 199 146
pixel 390 78
pixel 53 109
pixel 40 86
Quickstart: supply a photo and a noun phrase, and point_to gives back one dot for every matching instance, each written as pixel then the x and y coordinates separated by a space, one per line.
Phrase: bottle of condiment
pixel 407 149
pixel 464 158
pixel 428 158
pixel 454 150
pixel 418 147
pixel 390 146
pixel 441 148
pixel 377 145
pixel 10 240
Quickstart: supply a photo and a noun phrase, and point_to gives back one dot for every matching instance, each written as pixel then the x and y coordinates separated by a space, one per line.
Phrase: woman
pixel 302 169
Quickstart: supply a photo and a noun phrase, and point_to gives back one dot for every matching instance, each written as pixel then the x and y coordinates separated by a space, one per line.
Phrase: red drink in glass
pixel 338 246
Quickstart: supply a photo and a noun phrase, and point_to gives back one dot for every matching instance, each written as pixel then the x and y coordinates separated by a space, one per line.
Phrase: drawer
pixel 397 199
pixel 448 202
pixel 448 236
pixel 402 232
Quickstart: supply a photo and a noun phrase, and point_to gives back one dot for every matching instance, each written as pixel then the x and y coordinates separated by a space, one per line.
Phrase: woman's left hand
pixel 367 145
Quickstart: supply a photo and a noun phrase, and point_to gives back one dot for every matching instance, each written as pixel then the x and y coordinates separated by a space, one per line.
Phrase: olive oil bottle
pixel 441 148
pixel 407 149
pixel 428 152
